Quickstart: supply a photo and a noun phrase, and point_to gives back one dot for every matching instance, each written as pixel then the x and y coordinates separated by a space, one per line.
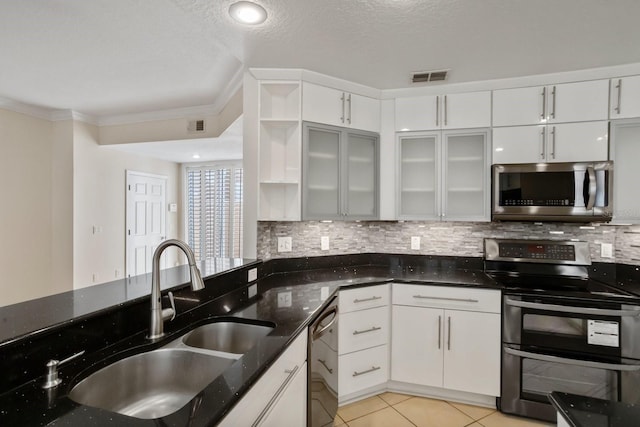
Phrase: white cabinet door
pixel 625 97
pixel 472 352
pixel 519 144
pixel 416 345
pixel 321 104
pixel 417 113
pixel 567 102
pixel 520 106
pixel 290 409
pixel 578 102
pixel 363 112
pixel 577 142
pixel 455 111
pixel 466 110
pixel 330 106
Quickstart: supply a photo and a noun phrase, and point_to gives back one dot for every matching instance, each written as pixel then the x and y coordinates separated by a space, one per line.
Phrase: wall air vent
pixel 195 126
pixel 429 76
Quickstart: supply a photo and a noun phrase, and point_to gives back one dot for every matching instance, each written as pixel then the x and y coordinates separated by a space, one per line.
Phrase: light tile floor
pixel 401 410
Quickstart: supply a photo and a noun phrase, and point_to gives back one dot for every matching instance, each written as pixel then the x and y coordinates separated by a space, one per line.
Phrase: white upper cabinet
pixel 454 111
pixel 330 106
pixel 564 142
pixel 567 102
pixel 625 97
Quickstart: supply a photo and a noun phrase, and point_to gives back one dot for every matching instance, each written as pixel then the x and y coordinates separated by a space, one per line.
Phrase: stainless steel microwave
pixel 577 192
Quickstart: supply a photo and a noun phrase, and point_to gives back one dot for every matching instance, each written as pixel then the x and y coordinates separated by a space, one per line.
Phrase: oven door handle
pixel 568 309
pixel 575 362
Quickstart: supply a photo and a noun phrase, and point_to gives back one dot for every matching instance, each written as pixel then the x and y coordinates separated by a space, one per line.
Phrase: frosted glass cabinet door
pixel 322 190
pixel 466 172
pixel 361 176
pixel 419 171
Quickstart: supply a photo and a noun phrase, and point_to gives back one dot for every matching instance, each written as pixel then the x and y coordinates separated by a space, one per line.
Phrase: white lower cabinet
pixel 446 337
pixel 279 398
pixel 363 336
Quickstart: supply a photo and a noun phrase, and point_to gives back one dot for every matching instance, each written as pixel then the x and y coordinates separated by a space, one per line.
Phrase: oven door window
pixel 541 377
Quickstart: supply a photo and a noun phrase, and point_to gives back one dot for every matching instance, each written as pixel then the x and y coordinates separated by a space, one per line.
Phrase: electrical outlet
pixel 284 244
pixel 415 242
pixel 252 275
pixel 284 299
pixel 118 273
pixel 324 243
pixel 94 277
pixel 606 250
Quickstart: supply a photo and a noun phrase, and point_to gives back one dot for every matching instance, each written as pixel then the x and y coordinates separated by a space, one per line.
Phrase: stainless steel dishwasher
pixel 322 357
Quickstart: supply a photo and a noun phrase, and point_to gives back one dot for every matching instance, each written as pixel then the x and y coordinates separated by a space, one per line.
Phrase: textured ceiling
pixel 112 57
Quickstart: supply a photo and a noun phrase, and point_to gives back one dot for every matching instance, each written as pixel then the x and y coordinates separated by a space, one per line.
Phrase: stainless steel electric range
pixel 561 330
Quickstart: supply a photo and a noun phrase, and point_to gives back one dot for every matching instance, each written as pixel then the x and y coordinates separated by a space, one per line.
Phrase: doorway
pixel 145 220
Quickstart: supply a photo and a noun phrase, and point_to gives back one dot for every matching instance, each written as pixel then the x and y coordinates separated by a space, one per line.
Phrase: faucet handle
pixel 52 379
pixel 169 313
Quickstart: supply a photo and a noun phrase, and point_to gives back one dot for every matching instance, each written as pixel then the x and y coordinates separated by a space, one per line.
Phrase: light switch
pixel 324 243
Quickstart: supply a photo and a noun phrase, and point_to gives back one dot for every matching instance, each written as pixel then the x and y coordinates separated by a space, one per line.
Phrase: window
pixel 214 210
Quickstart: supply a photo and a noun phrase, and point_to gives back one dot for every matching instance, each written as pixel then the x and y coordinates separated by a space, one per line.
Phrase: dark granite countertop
pixel 115 332
pixel 581 411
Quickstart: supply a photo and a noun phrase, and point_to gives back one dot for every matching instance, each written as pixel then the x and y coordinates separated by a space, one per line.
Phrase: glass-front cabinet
pixel 340 173
pixel 444 175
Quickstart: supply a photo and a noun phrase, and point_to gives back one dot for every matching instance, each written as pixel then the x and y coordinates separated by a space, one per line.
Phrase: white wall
pixel 99 200
pixel 25 217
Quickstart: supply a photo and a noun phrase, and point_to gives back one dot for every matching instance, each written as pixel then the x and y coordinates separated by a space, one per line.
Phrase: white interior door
pixel 145 220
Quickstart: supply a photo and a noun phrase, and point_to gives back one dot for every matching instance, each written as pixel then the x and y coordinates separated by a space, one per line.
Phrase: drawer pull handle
pixel 373 298
pixel 447 299
pixel 374 328
pixel 373 368
pixel 324 363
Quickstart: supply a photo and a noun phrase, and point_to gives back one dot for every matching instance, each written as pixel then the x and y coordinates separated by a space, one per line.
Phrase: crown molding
pixel 61 115
pixel 179 113
pixel 30 110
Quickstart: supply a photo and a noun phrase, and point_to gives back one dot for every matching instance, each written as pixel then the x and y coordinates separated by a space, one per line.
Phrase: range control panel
pixel 542 251
pixel 549 251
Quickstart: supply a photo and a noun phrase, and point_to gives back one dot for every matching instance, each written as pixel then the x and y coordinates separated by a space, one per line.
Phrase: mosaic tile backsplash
pixel 438 238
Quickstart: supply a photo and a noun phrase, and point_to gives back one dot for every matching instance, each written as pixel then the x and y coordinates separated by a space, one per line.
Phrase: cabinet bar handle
pixel 437 110
pixel 619 87
pixel 553 103
pixel 449 333
pixel 324 363
pixel 543 116
pixel 445 110
pixel 349 110
pixel 372 329
pixel 342 99
pixel 544 143
pixel 276 395
pixel 446 299
pixel 553 142
pixel 373 298
pixel 439 331
pixel 373 368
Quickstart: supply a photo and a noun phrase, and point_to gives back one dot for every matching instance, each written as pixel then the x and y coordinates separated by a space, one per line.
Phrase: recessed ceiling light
pixel 196 156
pixel 247 12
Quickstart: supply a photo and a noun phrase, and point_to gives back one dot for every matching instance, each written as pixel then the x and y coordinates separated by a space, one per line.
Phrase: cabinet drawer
pixel 363 369
pixel 362 298
pixel 459 298
pixel 257 398
pixel 363 329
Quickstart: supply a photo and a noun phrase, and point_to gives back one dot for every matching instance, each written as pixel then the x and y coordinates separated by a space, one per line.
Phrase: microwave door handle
pixel 593 186
pixel 575 362
pixel 569 309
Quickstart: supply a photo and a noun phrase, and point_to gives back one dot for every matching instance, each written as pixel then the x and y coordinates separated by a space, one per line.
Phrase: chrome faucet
pixel 158 314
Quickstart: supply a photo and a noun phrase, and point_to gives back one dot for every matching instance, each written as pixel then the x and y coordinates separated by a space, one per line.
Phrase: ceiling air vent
pixel 195 126
pixel 429 76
